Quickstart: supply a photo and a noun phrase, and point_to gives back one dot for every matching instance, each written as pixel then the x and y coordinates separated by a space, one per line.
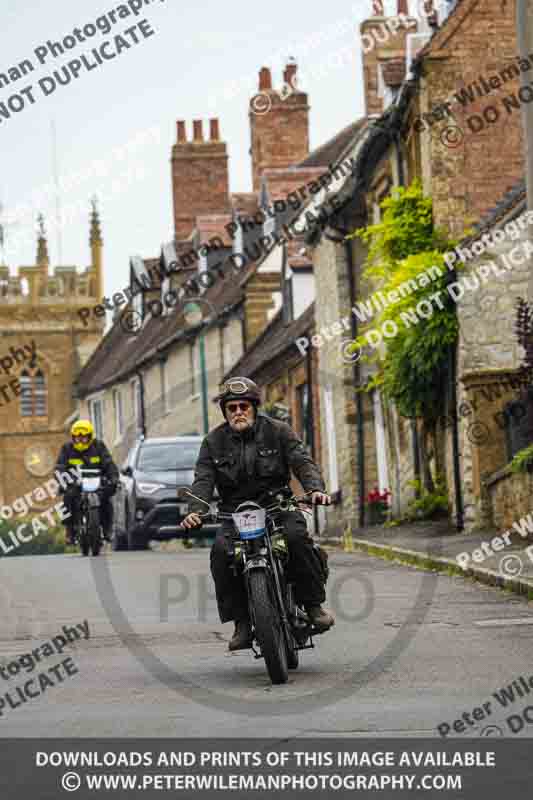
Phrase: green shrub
pixel 429 505
pixel 48 542
pixel 522 460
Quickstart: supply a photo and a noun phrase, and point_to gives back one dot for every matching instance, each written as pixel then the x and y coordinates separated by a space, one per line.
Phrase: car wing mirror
pixel 127 471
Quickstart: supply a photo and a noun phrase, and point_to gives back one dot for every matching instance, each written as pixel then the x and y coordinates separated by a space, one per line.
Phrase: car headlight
pixel 150 488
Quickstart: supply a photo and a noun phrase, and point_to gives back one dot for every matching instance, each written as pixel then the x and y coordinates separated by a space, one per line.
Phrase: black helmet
pixel 239 389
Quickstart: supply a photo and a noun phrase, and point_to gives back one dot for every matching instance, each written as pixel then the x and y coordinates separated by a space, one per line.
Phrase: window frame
pixel 35 394
pixel 118 414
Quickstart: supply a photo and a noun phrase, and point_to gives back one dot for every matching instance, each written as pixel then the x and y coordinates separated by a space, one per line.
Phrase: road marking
pixel 501 623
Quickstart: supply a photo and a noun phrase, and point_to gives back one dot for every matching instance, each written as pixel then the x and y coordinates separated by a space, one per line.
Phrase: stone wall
pixel 510 497
pixel 467 174
pixel 332 287
pixel 488 356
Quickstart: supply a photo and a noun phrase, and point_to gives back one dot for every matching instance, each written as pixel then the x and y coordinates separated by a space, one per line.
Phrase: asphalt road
pixel 410 650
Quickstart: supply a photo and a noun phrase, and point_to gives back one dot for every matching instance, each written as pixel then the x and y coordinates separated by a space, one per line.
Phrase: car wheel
pixel 135 540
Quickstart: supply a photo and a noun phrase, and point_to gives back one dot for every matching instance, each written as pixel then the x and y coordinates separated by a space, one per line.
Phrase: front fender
pixel 256 563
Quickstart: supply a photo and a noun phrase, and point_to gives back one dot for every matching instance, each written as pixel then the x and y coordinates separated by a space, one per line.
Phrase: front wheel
pixel 292 646
pixel 95 538
pixel 85 543
pixel 268 626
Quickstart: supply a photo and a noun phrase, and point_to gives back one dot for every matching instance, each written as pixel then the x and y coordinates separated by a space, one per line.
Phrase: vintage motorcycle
pixel 88 528
pixel 258 551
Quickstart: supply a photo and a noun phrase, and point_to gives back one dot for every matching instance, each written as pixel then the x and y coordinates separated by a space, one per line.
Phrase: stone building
pixel 411 133
pixel 48 342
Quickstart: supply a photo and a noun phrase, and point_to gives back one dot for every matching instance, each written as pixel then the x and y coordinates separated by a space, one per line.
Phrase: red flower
pixel 375 496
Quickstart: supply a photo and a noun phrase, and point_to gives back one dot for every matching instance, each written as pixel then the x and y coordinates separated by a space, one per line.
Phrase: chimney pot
pixel 265 79
pixel 403 7
pixel 377 8
pixel 198 134
pixel 182 133
pixel 214 132
pixel 290 73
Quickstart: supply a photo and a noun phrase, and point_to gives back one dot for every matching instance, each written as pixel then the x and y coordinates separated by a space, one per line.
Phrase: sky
pixel 115 124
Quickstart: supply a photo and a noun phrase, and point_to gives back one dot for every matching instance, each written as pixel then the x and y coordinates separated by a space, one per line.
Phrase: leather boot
pixel 242 637
pixel 320 618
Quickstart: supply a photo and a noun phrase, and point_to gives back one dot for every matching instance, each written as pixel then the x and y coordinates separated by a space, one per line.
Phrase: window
pixel 168 457
pixel 97 417
pixel 304 414
pixel 119 419
pixel 34 394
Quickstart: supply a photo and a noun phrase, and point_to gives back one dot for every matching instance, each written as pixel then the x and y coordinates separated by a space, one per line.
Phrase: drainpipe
pixel 309 380
pixel 455 442
pixel 143 412
pixel 524 36
pixel 358 396
pixel 311 425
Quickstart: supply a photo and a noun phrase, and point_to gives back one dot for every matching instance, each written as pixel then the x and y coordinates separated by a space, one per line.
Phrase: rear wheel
pixel 268 626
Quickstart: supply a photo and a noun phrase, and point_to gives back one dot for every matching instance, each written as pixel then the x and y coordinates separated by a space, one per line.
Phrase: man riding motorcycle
pixel 249 457
pixel 85 450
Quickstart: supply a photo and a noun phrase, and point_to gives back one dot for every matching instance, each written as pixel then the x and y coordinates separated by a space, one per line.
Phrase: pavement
pixel 436 545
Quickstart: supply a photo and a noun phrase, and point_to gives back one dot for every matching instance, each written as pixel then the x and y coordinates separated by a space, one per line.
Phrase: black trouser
pixel 72 503
pixel 303 570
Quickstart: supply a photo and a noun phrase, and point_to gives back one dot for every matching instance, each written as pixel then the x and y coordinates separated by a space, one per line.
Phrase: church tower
pixel 44 342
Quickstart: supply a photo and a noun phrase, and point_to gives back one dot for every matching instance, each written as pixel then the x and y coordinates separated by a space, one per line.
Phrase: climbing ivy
pixel 411 368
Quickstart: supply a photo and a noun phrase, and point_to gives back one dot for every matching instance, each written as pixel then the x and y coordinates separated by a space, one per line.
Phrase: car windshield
pixel 167 457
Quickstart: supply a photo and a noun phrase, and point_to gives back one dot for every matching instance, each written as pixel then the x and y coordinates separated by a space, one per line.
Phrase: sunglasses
pixel 82 437
pixel 234 407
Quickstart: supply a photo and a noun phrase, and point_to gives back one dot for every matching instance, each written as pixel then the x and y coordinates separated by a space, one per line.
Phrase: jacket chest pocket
pixel 226 469
pixel 268 462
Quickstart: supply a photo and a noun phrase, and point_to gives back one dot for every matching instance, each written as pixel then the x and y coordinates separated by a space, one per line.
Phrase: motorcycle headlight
pixel 150 488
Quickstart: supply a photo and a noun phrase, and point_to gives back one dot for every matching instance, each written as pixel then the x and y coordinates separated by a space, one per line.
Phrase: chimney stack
pixel 379 47
pixel 200 183
pixel 280 136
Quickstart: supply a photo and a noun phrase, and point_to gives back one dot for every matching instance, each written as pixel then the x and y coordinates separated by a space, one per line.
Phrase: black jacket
pixel 96 456
pixel 246 467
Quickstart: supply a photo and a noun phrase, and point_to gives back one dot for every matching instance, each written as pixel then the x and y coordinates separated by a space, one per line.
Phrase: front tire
pixel 293 659
pixel 268 627
pixel 94 531
pixel 84 536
